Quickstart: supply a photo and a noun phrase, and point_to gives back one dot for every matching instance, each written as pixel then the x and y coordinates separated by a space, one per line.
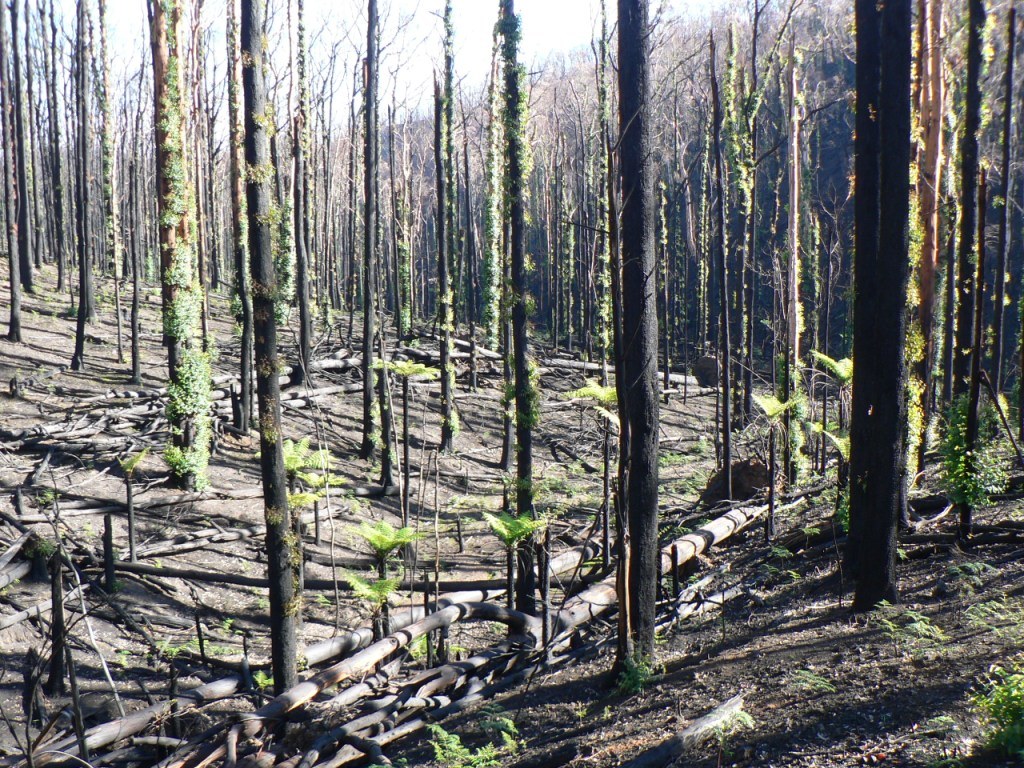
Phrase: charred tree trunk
pixel 445 238
pixel 881 269
pixel 1003 245
pixel 24 160
pixel 188 406
pixel 967 293
pixel 82 218
pixel 525 391
pixel 301 210
pixel 974 390
pixel 10 185
pixel 639 384
pixel 56 167
pixel 284 602
pixel 244 317
pixel 725 366
pixel 369 226
pixel 929 195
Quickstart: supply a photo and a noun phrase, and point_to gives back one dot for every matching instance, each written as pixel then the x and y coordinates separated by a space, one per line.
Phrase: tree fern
pixel 376 592
pixel 383 538
pixel 511 530
pixel 604 399
pixel 841 370
pixel 131 463
pixel 408 369
pixel 774 408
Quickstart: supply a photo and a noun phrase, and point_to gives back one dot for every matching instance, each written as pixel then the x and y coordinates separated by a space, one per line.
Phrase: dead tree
pixel 284 602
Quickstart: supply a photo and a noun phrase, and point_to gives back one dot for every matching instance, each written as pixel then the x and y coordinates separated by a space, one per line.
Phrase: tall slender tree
pixel 55 149
pixel 881 269
pixel 929 190
pixel 967 292
pixel 527 401
pixel 10 185
pixel 82 218
pixel 369 225
pixel 239 233
pixel 1005 170
pixel 23 150
pixel 284 600
pixel 445 238
pixel 724 329
pixel 300 183
pixel 639 332
pixel 188 402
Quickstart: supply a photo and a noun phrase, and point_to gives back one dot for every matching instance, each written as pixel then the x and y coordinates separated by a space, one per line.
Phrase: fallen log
pixel 598 598
pixel 15 572
pixel 34 611
pixel 239 580
pixel 673 378
pixel 693 735
pixel 360 663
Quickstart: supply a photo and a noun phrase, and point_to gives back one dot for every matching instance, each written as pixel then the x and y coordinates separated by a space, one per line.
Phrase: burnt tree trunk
pixel 1002 246
pixel 967 293
pixel 639 384
pixel 725 341
pixel 881 269
pixel 284 603
pixel 244 318
pixel 369 225
pixel 83 220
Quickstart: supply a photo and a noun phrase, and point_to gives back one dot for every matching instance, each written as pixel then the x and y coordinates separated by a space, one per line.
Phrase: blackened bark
pixel 82 190
pixel 967 292
pixel 369 226
pixel 881 270
pixel 639 385
pixel 284 603
pixel 243 418
pixel 725 341
pixel 10 186
pixel 56 170
pixel 974 390
pixel 526 402
pixel 1002 246
pixel 25 241
pixel 301 210
pixel 445 238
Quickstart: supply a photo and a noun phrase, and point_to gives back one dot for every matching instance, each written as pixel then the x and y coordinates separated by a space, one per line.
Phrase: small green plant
pixel 807 680
pixel 262 680
pixel 1004 616
pixel 966 578
pixel 499 727
pixel 1000 702
pixel 450 752
pixel 131 463
pixel 636 675
pixel 511 531
pixel 729 727
pixel 971 477
pixel 908 630
pixel 376 593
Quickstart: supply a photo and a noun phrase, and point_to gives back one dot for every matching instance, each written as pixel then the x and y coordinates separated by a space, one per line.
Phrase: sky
pixel 411 37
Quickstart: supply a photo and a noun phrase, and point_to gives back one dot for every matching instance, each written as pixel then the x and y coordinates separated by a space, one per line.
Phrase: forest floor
pixel 822 686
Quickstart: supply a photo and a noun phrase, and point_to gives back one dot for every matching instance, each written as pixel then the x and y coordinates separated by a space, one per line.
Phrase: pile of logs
pixel 371 693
